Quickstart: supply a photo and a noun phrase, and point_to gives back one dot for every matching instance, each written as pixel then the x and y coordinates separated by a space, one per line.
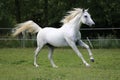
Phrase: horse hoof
pixel 87 65
pixel 92 60
pixel 36 65
pixel 55 66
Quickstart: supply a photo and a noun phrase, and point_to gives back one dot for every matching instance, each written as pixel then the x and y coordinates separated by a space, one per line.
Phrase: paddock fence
pixel 94 37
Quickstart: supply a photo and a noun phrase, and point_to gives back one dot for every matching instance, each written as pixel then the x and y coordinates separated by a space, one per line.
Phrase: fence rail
pixel 24 41
pixel 80 29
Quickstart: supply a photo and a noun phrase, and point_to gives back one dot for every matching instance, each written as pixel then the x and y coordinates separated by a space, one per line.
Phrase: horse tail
pixel 28 26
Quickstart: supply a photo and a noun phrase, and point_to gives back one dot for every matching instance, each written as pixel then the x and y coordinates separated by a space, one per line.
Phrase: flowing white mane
pixel 71 15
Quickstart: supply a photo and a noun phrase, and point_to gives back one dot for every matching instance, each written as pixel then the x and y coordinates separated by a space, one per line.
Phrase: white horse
pixel 67 35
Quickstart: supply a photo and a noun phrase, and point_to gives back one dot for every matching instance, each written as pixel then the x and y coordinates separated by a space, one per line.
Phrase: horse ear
pixel 87 9
pixel 83 10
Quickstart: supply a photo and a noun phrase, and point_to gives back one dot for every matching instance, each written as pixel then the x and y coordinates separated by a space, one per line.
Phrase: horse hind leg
pixel 36 54
pixel 50 54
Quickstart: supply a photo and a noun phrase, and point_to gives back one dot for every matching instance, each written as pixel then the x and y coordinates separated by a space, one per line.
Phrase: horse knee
pixel 37 50
pixel 86 46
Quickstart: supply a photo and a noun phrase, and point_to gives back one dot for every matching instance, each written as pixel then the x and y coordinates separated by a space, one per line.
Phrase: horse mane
pixel 71 14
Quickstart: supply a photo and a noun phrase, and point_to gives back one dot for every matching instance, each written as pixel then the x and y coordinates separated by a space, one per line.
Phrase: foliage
pixel 108 42
pixel 17 64
pixel 104 12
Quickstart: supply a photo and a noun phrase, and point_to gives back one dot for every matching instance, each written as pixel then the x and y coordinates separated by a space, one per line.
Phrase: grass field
pixel 17 64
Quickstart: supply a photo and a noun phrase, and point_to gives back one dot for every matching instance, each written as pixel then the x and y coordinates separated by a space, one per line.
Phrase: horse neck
pixel 76 22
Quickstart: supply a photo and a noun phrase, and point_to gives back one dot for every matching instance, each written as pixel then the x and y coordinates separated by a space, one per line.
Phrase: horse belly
pixel 56 39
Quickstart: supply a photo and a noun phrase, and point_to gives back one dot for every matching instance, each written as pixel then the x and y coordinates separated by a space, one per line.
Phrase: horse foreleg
pixel 81 43
pixel 74 47
pixel 50 54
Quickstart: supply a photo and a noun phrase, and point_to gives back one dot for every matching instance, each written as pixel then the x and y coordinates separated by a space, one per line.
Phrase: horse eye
pixel 85 16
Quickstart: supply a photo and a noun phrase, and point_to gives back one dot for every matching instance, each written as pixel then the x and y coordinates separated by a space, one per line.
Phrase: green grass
pixel 17 64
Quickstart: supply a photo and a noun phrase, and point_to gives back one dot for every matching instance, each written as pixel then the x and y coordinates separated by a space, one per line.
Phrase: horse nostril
pixel 93 23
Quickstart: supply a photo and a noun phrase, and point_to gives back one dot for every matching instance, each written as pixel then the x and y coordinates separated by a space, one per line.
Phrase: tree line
pixel 105 13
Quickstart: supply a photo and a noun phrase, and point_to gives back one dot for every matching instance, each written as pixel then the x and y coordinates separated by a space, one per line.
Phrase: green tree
pixel 105 13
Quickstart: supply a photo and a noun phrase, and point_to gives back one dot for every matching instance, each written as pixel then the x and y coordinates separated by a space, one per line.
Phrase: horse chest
pixel 73 35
